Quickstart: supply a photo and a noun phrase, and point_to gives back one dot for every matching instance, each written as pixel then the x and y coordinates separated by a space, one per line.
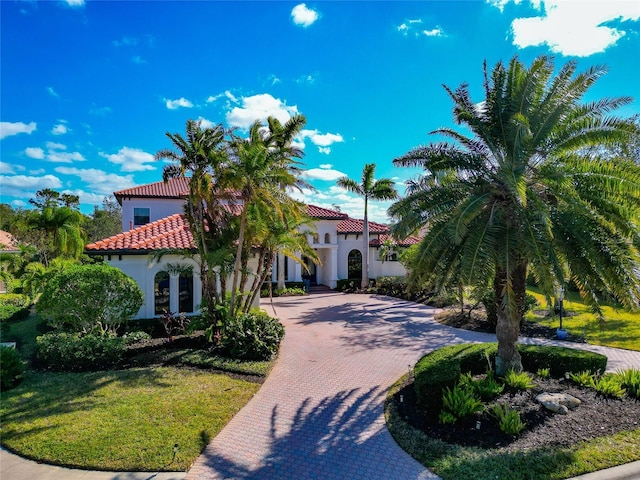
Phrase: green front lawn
pixel 120 420
pixel 621 329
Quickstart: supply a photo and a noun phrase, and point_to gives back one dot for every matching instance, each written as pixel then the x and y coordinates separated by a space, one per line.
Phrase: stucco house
pixel 152 219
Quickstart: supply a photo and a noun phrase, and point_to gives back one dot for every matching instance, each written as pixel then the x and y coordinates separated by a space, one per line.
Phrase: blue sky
pixel 89 88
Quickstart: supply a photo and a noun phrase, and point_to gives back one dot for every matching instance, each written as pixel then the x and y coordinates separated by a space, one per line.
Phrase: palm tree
pixel 369 189
pixel 262 168
pixel 201 157
pixel 62 232
pixel 523 195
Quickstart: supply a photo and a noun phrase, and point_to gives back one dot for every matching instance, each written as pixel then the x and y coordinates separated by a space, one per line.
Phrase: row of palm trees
pixel 526 190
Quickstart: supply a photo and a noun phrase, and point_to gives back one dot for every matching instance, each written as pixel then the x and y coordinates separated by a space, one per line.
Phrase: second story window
pixel 140 216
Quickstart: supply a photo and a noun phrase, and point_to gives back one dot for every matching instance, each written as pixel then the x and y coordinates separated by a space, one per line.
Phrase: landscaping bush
pixel 135 337
pixel 348 285
pixel 90 298
pixel 442 368
pixel 252 336
pixel 73 352
pixel 11 368
pixel 560 360
pixel 459 401
pixel 14 306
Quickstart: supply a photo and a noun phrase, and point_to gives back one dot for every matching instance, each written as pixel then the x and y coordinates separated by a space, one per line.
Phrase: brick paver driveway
pixel 319 415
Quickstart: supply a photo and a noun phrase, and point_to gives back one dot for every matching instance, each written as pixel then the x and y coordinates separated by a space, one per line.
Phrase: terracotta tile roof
pixel 170 232
pixel 407 242
pixel 324 213
pixel 174 188
pixel 353 225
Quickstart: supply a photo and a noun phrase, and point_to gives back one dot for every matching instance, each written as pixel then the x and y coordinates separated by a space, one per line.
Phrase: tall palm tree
pixel 369 189
pixel 524 195
pixel 261 170
pixel 62 232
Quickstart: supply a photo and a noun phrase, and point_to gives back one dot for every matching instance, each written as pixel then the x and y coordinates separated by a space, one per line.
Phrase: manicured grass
pixel 453 462
pixel 621 329
pixel 120 420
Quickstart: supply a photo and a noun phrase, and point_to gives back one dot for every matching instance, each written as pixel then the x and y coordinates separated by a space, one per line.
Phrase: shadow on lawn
pixel 342 436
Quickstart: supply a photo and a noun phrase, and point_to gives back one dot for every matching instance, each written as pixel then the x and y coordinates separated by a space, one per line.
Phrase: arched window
pixel 327 238
pixel 162 289
pixel 315 238
pixel 354 265
pixel 185 292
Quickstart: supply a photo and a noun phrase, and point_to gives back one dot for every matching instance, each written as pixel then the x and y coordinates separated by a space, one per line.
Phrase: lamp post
pixel 561 333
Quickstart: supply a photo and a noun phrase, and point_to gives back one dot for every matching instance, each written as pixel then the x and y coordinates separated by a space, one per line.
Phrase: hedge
pixel 442 368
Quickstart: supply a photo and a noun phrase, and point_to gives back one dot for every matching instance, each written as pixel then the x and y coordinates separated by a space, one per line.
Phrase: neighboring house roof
pixel 169 232
pixel 324 213
pixel 353 225
pixel 407 242
pixel 8 243
pixel 173 188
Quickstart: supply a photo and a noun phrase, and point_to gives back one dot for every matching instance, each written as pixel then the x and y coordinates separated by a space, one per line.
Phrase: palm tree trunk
pixel 281 281
pixel 236 268
pixel 508 323
pixel 365 250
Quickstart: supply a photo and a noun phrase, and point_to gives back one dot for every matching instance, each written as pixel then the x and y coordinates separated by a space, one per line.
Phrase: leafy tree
pixel 106 221
pixel 369 189
pixel 90 298
pixel 60 231
pixel 524 194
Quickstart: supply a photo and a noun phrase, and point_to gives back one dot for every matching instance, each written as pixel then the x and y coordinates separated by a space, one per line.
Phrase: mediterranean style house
pixel 152 220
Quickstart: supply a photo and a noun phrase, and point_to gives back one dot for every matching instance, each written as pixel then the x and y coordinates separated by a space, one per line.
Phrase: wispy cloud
pixel 7 129
pixel 52 92
pixel 131 159
pixel 56 153
pixel 322 140
pixel 571 28
pixel 26 185
pixel 74 3
pixel 138 60
pixel 180 102
pixel 325 174
pixel 414 28
pixel 303 15
pixel 99 181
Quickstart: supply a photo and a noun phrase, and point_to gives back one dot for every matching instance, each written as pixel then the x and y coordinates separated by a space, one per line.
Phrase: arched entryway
pixel 354 265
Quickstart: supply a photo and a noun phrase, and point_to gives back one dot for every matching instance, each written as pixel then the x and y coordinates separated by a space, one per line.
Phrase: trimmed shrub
pixel 73 352
pixel 253 336
pixel 14 306
pixel 135 337
pixel 11 368
pixel 560 360
pixel 348 284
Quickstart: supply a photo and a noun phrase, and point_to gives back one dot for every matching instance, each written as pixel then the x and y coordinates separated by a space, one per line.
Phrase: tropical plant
pixel 630 380
pixel 370 189
pixel 460 401
pixel 610 385
pixel 584 378
pixel 519 380
pixel 508 419
pixel 61 232
pixel 522 195
pixel 90 298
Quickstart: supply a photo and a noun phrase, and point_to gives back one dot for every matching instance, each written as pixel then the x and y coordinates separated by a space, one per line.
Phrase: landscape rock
pixel 558 402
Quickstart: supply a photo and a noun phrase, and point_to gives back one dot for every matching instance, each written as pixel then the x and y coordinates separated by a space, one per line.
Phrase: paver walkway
pixel 319 415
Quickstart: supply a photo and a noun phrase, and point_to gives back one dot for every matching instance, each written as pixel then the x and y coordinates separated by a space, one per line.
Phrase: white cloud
pixel 59 129
pixel 303 16
pixel 204 123
pixel 39 171
pixel 213 98
pixel 52 92
pixel 8 129
pixel 34 152
pixel 6 169
pixel 180 102
pixel 75 3
pixel 131 159
pixel 326 165
pixel 99 181
pixel 325 150
pixel 309 79
pixel 258 107
pixel 230 96
pixel 24 185
pixel 434 32
pixel 274 80
pixel 18 203
pixel 322 140
pixel 324 174
pixel 87 198
pixel 572 28
pixel 100 111
pixel 55 146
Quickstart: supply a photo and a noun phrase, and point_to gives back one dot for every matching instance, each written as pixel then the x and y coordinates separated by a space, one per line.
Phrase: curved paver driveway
pixel 319 415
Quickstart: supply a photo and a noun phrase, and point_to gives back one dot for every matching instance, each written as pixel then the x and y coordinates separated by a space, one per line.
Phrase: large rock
pixel 558 402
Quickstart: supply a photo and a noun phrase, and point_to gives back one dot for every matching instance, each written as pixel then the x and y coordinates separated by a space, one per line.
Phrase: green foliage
pixel 90 298
pixel 14 306
pixel 253 336
pixel 519 381
pixel 446 417
pixel 348 284
pixel 543 372
pixel 174 325
pixel 461 401
pixel 610 385
pixel 560 360
pixel 15 299
pixel 72 352
pixel 630 380
pixel 508 419
pixel 583 378
pixel 11 368
pixel 135 337
pixel 486 388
